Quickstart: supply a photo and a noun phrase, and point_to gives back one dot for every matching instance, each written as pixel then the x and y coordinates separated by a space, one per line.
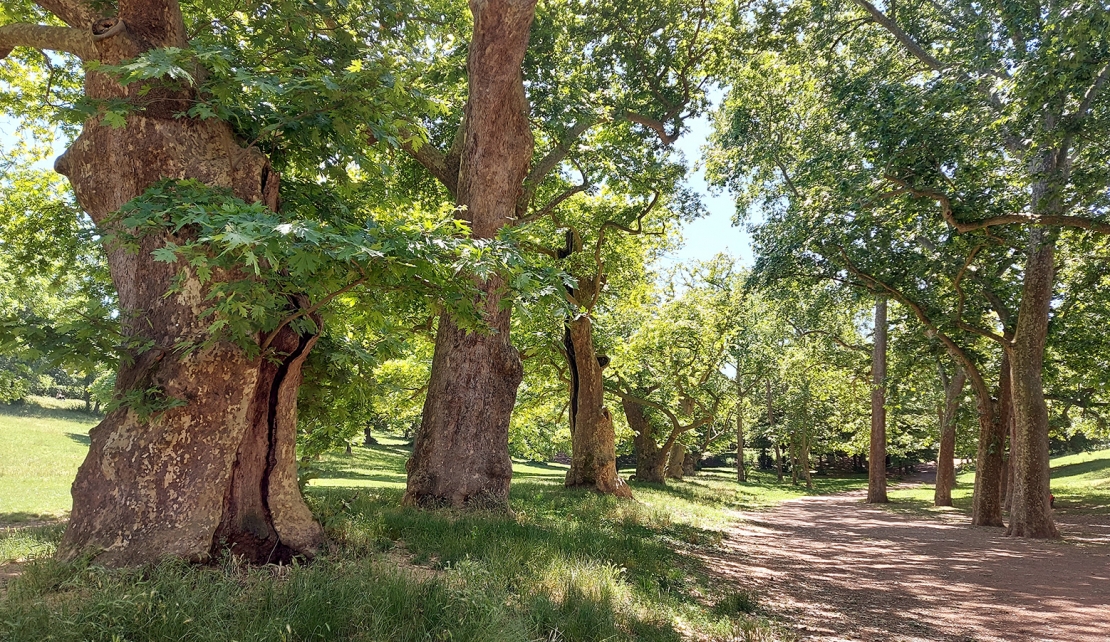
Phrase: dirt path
pixel 839 569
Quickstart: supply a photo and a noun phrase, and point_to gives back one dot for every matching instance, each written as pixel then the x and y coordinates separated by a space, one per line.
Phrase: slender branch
pixel 310 310
pixel 931 329
pixel 1092 92
pixel 552 204
pixel 78 42
pixel 554 157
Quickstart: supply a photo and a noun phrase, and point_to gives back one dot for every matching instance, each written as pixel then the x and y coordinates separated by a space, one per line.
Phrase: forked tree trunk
pixel 1031 514
pixel 675 462
pixel 876 475
pixel 946 455
pixel 993 417
pixel 461 451
pixel 651 460
pixel 220 469
pixel 593 451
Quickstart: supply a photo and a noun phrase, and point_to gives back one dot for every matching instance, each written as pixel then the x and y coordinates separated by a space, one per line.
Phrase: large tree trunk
pixel 876 476
pixel 993 417
pixel 651 460
pixel 946 470
pixel 220 469
pixel 461 451
pixel 675 461
pixel 1031 514
pixel 593 451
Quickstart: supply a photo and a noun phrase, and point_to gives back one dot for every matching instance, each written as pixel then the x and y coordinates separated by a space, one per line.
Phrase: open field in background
pixel 565 566
pixel 1080 482
pixel 41 445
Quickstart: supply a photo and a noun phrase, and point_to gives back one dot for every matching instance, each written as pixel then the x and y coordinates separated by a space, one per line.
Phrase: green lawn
pixel 567 565
pixel 43 444
pixel 1080 482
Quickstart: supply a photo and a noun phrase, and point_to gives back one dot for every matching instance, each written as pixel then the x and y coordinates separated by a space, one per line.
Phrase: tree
pixel 220 294
pixel 586 89
pixel 876 476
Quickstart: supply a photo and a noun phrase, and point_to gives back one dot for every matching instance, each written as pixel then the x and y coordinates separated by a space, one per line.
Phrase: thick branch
pixel 907 41
pixel 657 126
pixel 78 42
pixel 552 159
pixel 433 160
pixel 74 13
pixel 994 221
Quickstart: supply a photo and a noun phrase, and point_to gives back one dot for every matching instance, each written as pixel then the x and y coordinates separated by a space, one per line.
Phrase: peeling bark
pixel 946 471
pixel 593 449
pixel 675 469
pixel 220 469
pixel 461 451
pixel 1031 514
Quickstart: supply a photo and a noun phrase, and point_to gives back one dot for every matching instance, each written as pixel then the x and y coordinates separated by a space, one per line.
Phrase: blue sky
pixel 714 233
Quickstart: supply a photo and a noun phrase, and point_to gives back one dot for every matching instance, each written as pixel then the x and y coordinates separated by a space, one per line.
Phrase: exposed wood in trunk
pixel 219 470
pixel 876 476
pixel 594 457
pixel 461 454
pixel 946 471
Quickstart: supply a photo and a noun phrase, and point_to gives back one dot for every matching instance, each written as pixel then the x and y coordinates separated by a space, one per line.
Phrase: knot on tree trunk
pixel 105 28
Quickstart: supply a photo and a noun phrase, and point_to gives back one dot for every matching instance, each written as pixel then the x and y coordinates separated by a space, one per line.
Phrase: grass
pixel 568 565
pixel 44 442
pixel 1081 484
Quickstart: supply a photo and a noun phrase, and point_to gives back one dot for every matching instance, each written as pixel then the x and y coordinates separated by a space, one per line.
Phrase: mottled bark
pixel 741 473
pixel 219 470
pixel 461 451
pixel 946 470
pixel 994 415
pixel 690 463
pixel 876 475
pixel 1031 514
pixel 675 462
pixel 593 451
pixel 651 459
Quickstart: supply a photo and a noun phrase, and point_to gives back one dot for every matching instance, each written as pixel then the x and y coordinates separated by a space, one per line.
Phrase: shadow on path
pixel 842 570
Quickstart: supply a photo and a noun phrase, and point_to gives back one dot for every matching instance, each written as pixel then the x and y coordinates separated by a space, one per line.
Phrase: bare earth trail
pixel 839 569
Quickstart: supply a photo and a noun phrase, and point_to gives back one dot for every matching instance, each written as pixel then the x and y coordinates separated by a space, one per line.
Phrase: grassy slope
pixel 1080 482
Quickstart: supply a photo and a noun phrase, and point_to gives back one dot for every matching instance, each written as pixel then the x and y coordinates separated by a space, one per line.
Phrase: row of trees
pixel 396 202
